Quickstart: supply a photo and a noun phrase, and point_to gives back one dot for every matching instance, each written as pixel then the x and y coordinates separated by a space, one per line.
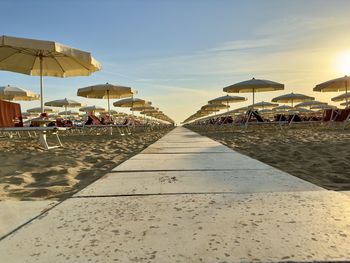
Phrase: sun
pixel 343 62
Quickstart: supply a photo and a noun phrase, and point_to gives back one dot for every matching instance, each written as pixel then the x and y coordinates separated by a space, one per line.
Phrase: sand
pixel 28 172
pixel 316 154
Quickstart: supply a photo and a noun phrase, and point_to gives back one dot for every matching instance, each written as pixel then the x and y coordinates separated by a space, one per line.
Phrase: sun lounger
pixel 42 131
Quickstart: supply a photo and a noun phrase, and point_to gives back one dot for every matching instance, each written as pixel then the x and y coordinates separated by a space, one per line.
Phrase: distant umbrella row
pixel 107 91
pixel 306 103
pixel 48 58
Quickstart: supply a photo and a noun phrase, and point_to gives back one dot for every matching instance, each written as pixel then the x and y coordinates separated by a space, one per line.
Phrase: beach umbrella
pixel 14 93
pixel 227 99
pixel 253 86
pixel 282 108
pixel 324 107
pixel 64 103
pixel 131 102
pixel 345 103
pixel 344 96
pixel 263 105
pixel 39 110
pixel 92 108
pixel 44 58
pixel 310 103
pixel 292 98
pixel 105 91
pixel 214 107
pixel 334 85
pixel 69 113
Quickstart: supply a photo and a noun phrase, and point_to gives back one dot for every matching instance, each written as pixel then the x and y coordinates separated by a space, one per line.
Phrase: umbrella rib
pixel 77 61
pixel 59 64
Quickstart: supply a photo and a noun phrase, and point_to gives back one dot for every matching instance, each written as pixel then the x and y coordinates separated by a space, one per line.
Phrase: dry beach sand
pixel 30 173
pixel 318 155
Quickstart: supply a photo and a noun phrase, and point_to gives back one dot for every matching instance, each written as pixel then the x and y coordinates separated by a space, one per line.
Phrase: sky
pixel 180 54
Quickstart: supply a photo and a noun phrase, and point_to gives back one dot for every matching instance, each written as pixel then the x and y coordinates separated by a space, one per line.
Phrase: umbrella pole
pixel 41 84
pixel 253 97
pixel 109 107
pixel 346 92
pixel 65 109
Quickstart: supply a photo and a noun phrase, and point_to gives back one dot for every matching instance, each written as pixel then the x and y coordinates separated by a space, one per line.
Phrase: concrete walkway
pixel 187 198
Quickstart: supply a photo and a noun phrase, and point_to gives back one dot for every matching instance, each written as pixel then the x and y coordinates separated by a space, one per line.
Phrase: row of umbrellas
pixel 258 85
pixel 48 58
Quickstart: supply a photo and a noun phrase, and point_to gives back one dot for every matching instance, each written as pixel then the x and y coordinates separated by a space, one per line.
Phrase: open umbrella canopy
pixel 69 113
pixel 14 93
pixel 263 105
pixel 282 108
pixel 344 96
pixel 130 102
pixel 254 85
pixel 323 107
pixel 334 85
pixel 64 103
pixel 227 99
pixel 141 108
pixel 214 107
pixel 92 108
pixel 347 103
pixel 39 110
pixel 310 103
pixel 105 91
pixel 292 98
pixel 44 58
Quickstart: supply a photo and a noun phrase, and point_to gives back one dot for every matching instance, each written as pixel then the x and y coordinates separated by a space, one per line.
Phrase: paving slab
pixel 16 213
pixel 264 227
pixel 205 149
pixel 149 183
pixel 168 162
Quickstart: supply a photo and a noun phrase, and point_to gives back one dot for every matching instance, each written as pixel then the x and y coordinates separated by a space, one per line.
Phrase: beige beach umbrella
pixel 344 96
pixel 130 103
pixel 64 103
pixel 282 108
pixel 214 107
pixel 105 91
pixel 334 85
pixel 346 104
pixel 39 110
pixel 323 107
pixel 14 93
pixel 227 99
pixel 253 86
pixel 292 98
pixel 69 113
pixel 44 58
pixel 92 108
pixel 310 103
pixel 263 105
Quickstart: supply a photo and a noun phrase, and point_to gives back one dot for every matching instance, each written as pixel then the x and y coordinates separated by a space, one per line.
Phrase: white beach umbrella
pixel 14 93
pixel 92 108
pixel 64 103
pixel 253 86
pixel 310 103
pixel 292 98
pixel 40 110
pixel 105 91
pixel 344 96
pixel 334 85
pixel 282 108
pixel 324 107
pixel 227 99
pixel 69 113
pixel 263 105
pixel 44 58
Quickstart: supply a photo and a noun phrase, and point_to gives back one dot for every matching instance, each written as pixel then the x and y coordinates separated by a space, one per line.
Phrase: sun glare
pixel 343 63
